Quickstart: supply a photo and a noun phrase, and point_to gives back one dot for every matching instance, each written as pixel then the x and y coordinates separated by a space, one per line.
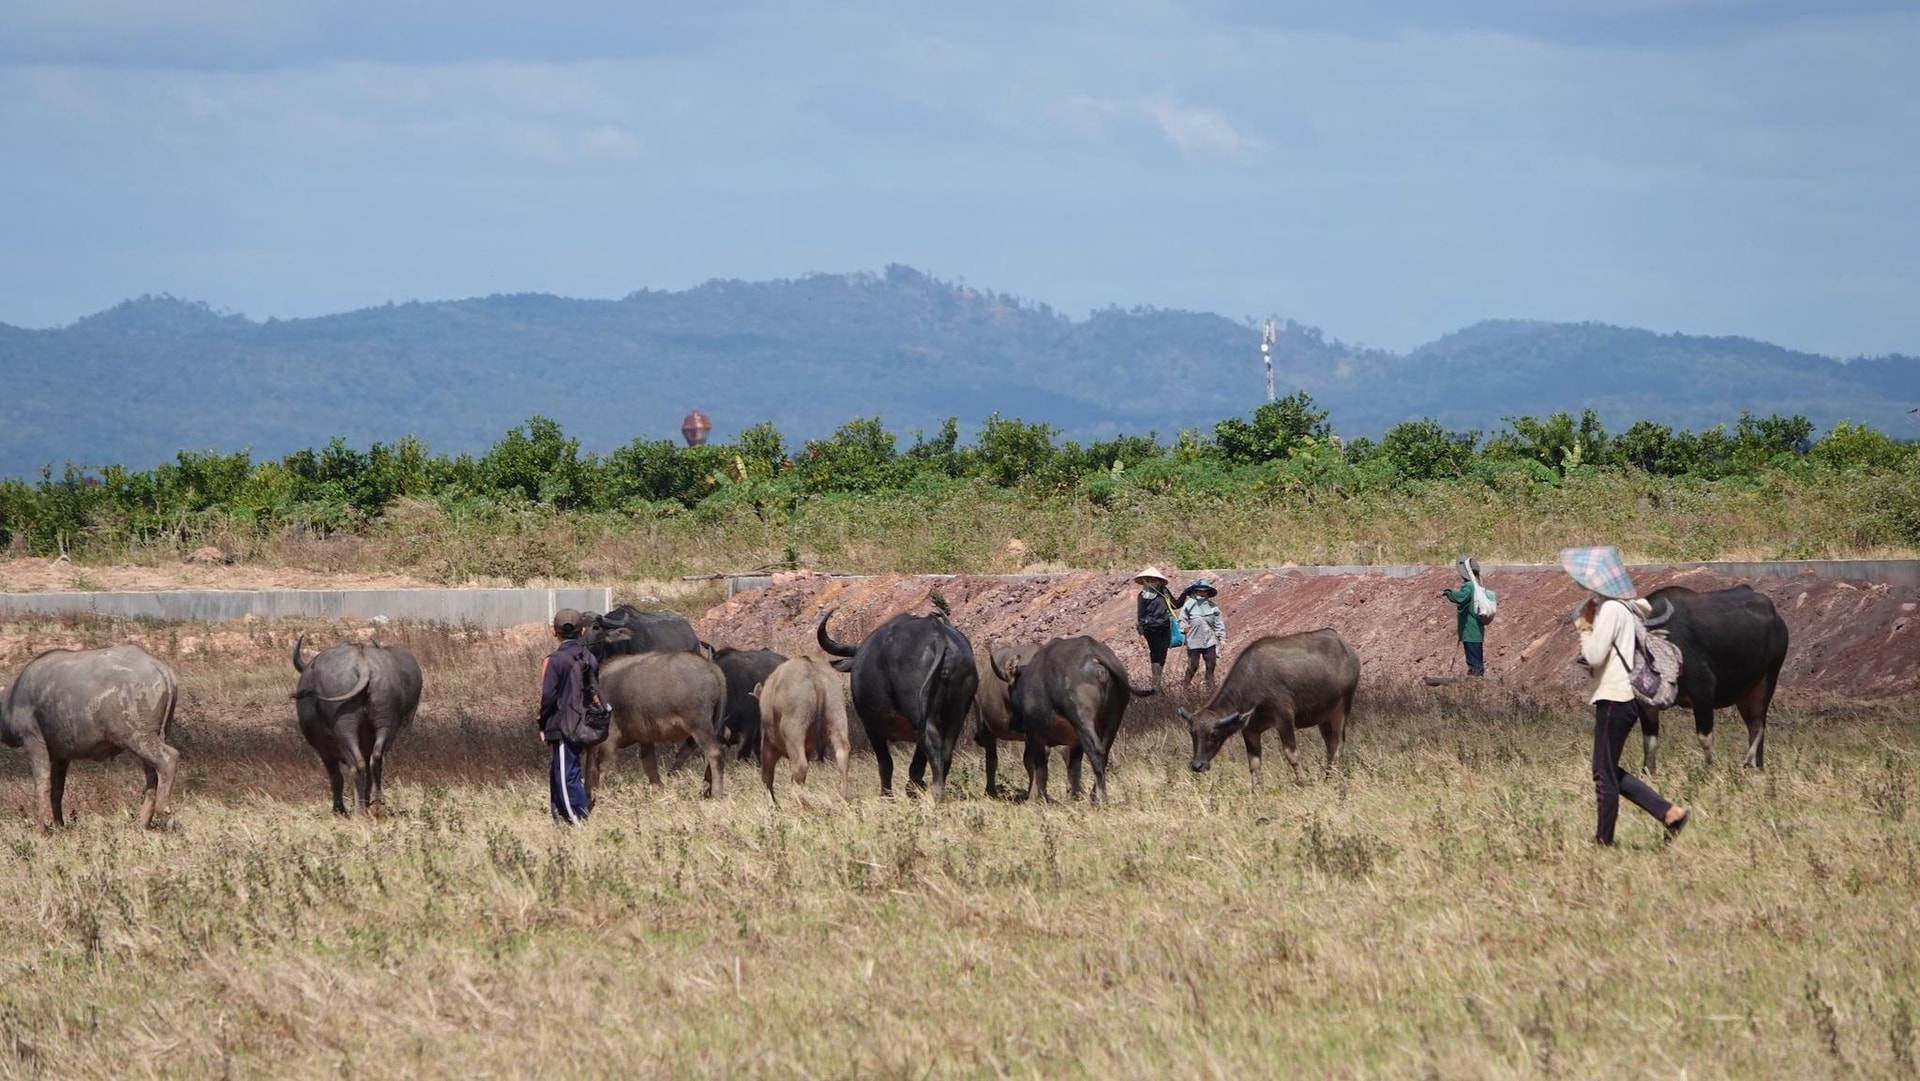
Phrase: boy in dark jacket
pixel 569 683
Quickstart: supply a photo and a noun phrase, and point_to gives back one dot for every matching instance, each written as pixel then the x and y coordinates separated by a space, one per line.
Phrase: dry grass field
pixel 1435 911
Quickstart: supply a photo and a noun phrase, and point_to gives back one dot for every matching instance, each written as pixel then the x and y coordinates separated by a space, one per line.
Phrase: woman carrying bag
pixel 1153 618
pixel 1608 623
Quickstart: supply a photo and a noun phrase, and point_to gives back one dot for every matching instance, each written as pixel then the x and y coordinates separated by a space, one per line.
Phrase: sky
pixel 1388 170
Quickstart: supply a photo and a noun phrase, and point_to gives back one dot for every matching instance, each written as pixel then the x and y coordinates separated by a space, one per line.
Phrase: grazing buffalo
pixel 1732 644
pixel 992 711
pixel 92 704
pixel 802 711
pixel 745 669
pixel 1071 693
pixel 660 697
pixel 627 630
pixel 352 701
pixel 1286 681
pixel 913 681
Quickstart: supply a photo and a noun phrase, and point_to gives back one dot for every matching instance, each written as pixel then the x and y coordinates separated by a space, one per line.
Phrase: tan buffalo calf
pixel 802 709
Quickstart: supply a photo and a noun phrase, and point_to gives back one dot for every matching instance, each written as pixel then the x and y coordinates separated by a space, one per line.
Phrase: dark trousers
pixel 567 785
pixel 1195 656
pixel 1158 641
pixel 1612 721
pixel 1476 657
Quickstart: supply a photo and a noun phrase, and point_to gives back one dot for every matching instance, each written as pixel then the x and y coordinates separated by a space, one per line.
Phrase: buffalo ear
pixel 1184 715
pixel 1005 664
pixel 844 664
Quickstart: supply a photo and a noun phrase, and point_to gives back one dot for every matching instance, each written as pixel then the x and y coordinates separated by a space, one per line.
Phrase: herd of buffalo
pixel 915 679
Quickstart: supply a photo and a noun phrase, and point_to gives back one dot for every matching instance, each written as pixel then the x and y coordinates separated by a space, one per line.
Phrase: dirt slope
pixel 1848 637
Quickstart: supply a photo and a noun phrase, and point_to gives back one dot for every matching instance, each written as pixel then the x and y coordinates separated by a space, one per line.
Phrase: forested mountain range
pixel 146 378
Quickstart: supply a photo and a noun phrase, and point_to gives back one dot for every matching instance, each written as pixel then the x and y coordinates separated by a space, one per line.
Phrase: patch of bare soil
pixel 1848 638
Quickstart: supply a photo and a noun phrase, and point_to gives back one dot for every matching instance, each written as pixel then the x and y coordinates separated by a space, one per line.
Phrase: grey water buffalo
pixel 801 711
pixel 1732 646
pixel 745 669
pixel 913 682
pixel 992 711
pixel 352 702
pixel 1288 682
pixel 627 630
pixel 91 704
pixel 662 697
pixel 1072 692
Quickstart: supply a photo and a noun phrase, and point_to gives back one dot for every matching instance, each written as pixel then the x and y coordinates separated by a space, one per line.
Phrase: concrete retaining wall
pixel 475 607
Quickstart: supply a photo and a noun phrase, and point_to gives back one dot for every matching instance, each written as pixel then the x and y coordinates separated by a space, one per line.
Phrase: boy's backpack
pixel 1655 669
pixel 591 720
pixel 1486 604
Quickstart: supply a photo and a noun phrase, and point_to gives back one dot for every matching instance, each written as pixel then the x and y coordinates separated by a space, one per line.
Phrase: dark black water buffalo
pixel 92 704
pixel 1286 681
pixel 627 630
pixel 1073 693
pixel 992 709
pixel 913 682
pixel 1732 644
pixel 745 669
pixel 352 702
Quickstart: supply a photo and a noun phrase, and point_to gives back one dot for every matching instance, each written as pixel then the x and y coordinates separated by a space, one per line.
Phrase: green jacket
pixel 1470 629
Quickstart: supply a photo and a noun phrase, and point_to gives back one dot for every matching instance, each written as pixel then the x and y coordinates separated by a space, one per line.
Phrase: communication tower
pixel 1267 339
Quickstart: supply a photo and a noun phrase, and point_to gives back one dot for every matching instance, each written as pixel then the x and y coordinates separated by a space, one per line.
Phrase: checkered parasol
pixel 1599 569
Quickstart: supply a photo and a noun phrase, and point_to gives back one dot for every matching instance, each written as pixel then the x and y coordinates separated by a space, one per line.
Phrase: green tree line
pixel 1284 449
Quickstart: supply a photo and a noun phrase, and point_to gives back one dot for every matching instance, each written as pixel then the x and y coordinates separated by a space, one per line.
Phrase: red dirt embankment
pixel 1849 638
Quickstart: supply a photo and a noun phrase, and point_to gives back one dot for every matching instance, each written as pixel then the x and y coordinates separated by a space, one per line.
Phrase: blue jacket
pixel 569 679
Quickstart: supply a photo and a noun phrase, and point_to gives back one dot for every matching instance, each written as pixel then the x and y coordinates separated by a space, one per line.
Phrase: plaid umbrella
pixel 1599 569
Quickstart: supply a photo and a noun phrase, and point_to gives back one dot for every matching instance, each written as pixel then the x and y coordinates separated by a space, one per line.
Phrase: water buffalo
pixel 1732 644
pixel 745 669
pixel 913 681
pixel 1072 692
pixel 660 697
pixel 1286 681
pixel 802 710
pixel 352 701
pixel 993 713
pixel 92 704
pixel 627 630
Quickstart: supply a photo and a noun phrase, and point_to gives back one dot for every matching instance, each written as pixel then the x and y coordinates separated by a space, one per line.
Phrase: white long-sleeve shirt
pixel 1608 649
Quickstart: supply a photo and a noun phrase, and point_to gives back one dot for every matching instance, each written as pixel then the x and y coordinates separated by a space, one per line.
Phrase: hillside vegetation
pixel 1274 487
pixel 154 376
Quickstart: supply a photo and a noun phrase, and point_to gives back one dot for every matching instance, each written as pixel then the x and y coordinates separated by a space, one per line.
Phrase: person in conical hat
pixel 1153 617
pixel 1609 626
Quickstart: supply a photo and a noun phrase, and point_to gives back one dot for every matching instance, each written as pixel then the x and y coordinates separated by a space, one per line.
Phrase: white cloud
pixel 1198 132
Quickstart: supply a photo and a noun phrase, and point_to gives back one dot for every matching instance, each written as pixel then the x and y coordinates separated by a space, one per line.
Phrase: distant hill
pixel 141 380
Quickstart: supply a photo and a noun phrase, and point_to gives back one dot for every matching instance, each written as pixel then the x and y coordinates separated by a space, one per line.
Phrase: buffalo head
pixel 1209 732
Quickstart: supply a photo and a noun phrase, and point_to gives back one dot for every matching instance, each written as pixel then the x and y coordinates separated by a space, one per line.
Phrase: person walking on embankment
pixel 1205 629
pixel 1608 623
pixel 1471 629
pixel 1154 612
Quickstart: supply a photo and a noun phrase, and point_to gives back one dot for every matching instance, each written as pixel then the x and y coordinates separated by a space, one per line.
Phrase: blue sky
pixel 1388 170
